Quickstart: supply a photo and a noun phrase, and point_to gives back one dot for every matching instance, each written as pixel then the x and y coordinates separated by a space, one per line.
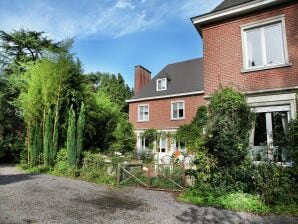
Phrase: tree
pixel 229 123
pixel 22 46
pixel 71 138
pixel 80 133
pixel 51 85
pixel 124 136
pixel 112 86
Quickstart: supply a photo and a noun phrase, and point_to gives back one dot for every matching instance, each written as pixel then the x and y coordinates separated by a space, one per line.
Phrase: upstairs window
pixel 161 84
pixel 177 110
pixel 143 112
pixel 264 44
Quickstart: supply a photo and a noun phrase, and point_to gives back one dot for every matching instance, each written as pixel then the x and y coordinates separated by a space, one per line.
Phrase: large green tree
pixel 112 86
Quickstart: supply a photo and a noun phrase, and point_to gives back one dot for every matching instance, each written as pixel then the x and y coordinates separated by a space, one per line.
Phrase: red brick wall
pixel 223 59
pixel 160 112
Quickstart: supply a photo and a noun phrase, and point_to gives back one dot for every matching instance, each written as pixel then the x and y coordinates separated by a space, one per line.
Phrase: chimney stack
pixel 142 78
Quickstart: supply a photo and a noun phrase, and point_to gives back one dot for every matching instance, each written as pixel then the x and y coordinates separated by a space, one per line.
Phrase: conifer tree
pixel 71 138
pixel 80 133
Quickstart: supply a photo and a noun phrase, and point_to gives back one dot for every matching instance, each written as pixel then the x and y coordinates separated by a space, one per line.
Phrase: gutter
pixel 165 96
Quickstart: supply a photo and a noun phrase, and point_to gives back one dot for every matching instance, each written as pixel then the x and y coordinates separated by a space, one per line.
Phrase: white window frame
pixel 259 24
pixel 143 105
pixel 161 80
pixel 172 110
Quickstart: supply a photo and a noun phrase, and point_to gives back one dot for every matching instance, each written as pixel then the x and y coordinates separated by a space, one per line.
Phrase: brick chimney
pixel 142 78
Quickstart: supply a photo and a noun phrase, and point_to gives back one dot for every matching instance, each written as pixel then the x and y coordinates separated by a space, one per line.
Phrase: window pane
pixel 159 84
pixel 175 110
pixel 274 47
pixel 163 84
pixel 260 130
pixel 254 48
pixel 181 113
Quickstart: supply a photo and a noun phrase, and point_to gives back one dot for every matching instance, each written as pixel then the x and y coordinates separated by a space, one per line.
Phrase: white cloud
pixel 123 4
pixel 80 18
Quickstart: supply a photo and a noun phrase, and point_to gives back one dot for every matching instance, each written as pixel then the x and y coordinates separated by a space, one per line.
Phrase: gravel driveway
pixel 28 198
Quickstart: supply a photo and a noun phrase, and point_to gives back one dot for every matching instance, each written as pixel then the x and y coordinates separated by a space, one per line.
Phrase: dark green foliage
pixel 80 133
pixel 71 138
pixel 22 46
pixel 12 127
pixel 125 140
pixel 230 121
pixel 114 87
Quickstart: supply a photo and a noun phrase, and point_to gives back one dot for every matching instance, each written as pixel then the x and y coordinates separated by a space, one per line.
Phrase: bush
pixel 62 167
pixel 99 169
pixel 230 120
pixel 273 183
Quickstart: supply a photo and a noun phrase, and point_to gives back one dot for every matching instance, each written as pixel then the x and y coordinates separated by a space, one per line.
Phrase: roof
pixel 232 8
pixel 182 77
pixel 229 4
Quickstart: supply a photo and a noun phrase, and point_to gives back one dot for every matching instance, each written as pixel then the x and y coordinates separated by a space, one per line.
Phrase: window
pixel 180 146
pixel 162 144
pixel 161 84
pixel 143 112
pixel 269 132
pixel 178 110
pixel 264 44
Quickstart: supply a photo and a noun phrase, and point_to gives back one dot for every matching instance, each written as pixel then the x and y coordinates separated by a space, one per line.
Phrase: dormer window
pixel 161 84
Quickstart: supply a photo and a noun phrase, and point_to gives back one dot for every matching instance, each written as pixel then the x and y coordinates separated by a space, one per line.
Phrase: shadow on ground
pixel 205 215
pixel 14 178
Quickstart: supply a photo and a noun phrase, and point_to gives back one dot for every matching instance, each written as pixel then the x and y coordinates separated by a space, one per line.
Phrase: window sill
pixel 177 119
pixel 265 68
pixel 142 121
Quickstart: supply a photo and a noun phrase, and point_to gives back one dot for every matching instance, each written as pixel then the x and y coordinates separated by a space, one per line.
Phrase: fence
pixel 155 176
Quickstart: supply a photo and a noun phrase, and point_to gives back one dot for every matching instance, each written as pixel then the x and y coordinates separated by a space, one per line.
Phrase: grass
pixel 237 202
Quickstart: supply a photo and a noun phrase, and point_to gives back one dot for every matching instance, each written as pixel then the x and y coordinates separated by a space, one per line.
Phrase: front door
pixel 269 133
pixel 162 149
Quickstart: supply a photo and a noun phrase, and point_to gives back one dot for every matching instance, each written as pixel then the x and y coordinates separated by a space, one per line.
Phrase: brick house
pixel 250 45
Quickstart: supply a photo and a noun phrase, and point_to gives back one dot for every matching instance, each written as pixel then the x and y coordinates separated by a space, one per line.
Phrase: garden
pixel 57 119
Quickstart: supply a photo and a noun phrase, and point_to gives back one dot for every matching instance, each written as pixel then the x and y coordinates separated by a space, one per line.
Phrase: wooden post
pixel 149 175
pixel 118 174
pixel 183 174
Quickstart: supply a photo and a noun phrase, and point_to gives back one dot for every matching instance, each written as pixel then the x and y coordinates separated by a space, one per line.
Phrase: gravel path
pixel 28 198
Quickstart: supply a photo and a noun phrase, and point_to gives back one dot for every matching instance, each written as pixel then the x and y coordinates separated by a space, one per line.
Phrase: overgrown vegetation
pixel 48 103
pixel 225 175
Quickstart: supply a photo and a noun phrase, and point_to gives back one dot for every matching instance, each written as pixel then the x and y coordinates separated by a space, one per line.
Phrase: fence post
pixel 183 174
pixel 118 174
pixel 149 175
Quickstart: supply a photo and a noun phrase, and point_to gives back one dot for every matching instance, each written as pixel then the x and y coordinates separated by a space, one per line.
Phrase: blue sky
pixel 115 35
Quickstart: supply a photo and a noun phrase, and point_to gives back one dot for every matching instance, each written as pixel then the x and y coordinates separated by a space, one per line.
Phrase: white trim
pixel 143 105
pixel 165 96
pixel 232 11
pixel 178 118
pixel 271 90
pixel 261 24
pixel 162 79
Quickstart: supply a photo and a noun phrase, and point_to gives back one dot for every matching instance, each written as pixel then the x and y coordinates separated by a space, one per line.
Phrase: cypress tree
pixel 36 144
pixel 47 138
pixel 71 138
pixel 80 133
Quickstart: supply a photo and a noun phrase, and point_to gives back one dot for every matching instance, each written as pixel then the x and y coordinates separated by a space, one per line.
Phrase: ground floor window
pixel 269 132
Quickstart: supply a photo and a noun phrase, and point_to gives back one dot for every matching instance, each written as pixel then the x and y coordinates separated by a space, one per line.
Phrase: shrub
pixel 229 123
pixel 62 167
